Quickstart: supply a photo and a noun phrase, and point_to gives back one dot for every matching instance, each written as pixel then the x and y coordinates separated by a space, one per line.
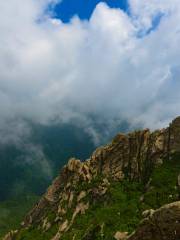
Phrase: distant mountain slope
pixel 28 164
pixel 108 195
pixel 28 168
pixel 13 211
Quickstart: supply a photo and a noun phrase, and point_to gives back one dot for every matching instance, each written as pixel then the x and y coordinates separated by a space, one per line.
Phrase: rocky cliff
pixel 106 196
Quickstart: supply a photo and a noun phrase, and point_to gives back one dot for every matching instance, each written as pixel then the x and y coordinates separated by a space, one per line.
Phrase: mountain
pixel 29 166
pixel 128 189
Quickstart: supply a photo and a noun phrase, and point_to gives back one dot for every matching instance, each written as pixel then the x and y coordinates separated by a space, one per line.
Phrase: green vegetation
pixel 21 171
pixel 120 209
pixel 163 188
pixel 117 211
pixel 35 234
pixel 13 211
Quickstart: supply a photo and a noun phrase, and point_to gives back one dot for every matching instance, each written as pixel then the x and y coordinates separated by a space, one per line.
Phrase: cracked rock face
pixel 133 156
pixel 163 223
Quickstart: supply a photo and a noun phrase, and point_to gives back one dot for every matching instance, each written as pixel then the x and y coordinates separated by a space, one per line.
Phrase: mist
pixel 115 67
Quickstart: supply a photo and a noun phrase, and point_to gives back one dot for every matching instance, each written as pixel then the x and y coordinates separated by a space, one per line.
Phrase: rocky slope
pixel 163 223
pixel 106 196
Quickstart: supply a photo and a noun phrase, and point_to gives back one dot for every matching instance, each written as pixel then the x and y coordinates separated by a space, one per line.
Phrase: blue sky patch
pixel 83 8
pixel 155 23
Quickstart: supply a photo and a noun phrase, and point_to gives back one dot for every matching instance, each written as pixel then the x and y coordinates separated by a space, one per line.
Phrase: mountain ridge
pixel 126 164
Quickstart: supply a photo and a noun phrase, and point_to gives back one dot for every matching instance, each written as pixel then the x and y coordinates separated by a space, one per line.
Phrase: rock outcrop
pixel 132 156
pixel 163 223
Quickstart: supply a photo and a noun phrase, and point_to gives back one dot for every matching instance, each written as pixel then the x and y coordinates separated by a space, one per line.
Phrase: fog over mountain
pixel 116 66
pixel 66 85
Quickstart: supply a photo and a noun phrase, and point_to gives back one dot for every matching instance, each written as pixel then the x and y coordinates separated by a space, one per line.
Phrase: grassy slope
pixel 121 209
pixel 13 211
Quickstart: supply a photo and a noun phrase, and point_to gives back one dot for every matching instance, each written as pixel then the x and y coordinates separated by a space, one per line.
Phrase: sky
pixel 78 61
pixel 83 8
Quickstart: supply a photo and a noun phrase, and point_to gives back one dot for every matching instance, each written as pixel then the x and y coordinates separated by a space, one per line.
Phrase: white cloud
pixel 102 67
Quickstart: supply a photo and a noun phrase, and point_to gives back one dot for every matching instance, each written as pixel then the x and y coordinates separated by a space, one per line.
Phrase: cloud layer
pixel 114 66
